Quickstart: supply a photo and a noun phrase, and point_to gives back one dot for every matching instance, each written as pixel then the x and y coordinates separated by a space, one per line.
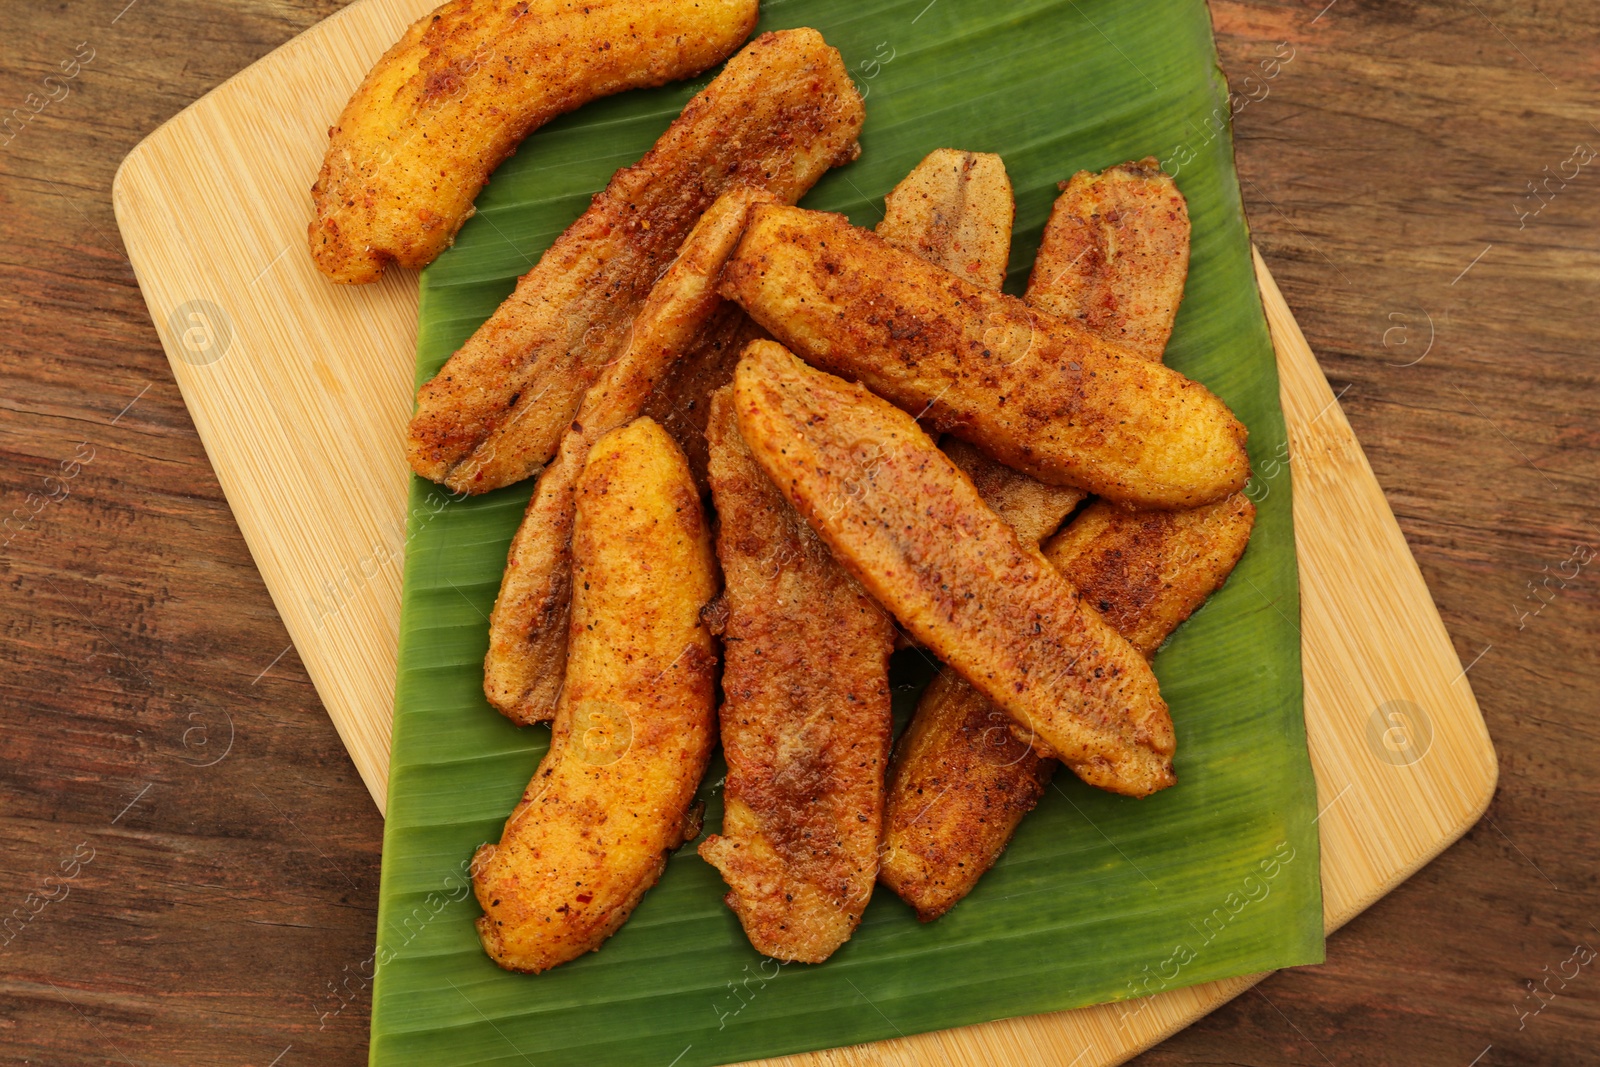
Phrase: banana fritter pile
pixel 893 451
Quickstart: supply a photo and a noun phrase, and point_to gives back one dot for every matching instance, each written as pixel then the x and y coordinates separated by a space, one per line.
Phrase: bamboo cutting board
pixel 294 384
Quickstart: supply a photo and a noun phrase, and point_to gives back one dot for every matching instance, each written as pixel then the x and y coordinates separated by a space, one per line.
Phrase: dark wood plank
pixel 230 901
pixel 228 909
pixel 1381 161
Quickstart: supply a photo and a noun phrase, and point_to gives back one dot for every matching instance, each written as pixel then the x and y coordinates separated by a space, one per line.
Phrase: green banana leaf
pixel 1100 897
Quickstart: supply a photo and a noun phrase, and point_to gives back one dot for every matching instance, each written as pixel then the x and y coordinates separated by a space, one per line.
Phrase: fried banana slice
pixel 961 780
pixel 959 784
pixel 456 95
pixel 780 114
pixel 1115 255
pixel 1114 259
pixel 632 736
pixel 954 210
pixel 913 530
pixel 1030 390
pixel 805 717
pixel 806 721
pixel 523 670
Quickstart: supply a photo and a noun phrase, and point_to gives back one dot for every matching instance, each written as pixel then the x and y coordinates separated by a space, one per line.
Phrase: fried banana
pixel 461 89
pixel 913 530
pixel 959 783
pixel 1031 391
pixel 805 717
pixel 961 780
pixel 781 113
pixel 634 729
pixel 954 210
pixel 523 670
pixel 1035 509
pixel 1115 255
pixel 1114 259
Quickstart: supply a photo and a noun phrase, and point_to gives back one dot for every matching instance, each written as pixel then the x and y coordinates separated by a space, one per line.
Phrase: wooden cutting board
pixel 301 390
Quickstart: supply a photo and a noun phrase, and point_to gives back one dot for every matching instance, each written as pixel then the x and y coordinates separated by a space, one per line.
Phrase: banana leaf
pixel 1100 897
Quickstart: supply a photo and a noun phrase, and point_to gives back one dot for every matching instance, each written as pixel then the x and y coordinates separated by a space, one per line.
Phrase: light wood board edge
pixel 304 412
pixel 302 417
pixel 1370 635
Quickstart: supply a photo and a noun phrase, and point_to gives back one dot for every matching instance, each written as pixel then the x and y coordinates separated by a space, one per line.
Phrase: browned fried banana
pixel 954 210
pixel 1115 255
pixel 1030 390
pixel 461 89
pixel 682 401
pixel 633 734
pixel 805 717
pixel 961 779
pixel 1035 509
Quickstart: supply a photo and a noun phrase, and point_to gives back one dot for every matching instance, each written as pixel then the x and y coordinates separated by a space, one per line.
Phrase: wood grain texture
pixel 1390 152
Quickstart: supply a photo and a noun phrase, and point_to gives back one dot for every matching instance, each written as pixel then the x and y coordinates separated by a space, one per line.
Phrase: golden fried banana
pixel 523 670
pixel 1030 390
pixel 780 114
pixel 958 786
pixel 913 530
pixel 1114 258
pixel 954 210
pixel 961 780
pixel 1115 255
pixel 633 733
pixel 805 717
pixel 456 95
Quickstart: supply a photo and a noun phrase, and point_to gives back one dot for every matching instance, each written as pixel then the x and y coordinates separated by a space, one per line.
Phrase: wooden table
pixel 193 853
